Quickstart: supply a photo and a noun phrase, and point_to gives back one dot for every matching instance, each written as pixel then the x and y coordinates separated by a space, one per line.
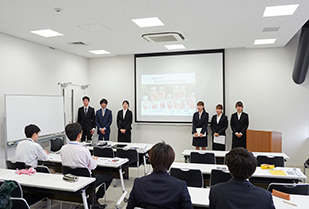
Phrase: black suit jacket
pixel 241 125
pixel 200 123
pixel 159 190
pixel 86 122
pixel 124 123
pixel 236 194
pixel 219 127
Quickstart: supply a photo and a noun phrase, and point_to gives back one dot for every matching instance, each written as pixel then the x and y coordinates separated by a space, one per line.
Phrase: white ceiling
pixel 207 24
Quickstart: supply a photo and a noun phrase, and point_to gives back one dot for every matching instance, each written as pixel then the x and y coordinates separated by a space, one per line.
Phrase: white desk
pixel 200 197
pixel 49 182
pixel 142 149
pixel 259 173
pixel 221 154
pixel 102 162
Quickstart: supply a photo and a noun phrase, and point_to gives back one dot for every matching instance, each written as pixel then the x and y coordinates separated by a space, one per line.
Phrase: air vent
pixel 272 29
pixel 78 44
pixel 163 37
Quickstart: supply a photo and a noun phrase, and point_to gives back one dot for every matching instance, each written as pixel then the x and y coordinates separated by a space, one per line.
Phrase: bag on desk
pixel 70 178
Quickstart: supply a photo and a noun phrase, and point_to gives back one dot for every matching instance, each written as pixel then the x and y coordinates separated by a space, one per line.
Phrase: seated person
pixel 238 192
pixel 159 189
pixel 75 155
pixel 28 151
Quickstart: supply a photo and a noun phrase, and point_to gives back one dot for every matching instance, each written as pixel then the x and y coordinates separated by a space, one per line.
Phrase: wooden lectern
pixel 264 141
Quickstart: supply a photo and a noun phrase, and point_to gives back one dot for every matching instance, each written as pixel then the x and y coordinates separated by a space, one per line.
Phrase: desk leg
pixel 84 199
pixel 121 180
pixel 123 189
pixel 145 165
pixel 48 203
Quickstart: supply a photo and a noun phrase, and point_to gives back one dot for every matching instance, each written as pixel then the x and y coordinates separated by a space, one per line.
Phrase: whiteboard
pixel 44 111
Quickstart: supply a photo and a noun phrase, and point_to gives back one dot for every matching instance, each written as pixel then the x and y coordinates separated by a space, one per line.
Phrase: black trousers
pixel 99 179
pixel 86 133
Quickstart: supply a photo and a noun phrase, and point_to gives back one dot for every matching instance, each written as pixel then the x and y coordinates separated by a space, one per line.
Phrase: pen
pixel 289 203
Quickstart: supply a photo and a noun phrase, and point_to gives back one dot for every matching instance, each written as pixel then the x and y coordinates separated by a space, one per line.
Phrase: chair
pixel 19 203
pixel 132 155
pixel 205 158
pixel 193 177
pixel 42 169
pixel 56 144
pixel 290 188
pixel 277 161
pixel 218 176
pixel 18 165
pixel 103 152
pixel 17 192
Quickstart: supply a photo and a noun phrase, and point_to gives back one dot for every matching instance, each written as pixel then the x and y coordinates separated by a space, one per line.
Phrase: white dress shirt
pixel 75 155
pixel 218 118
pixel 124 113
pixel 239 115
pixel 29 152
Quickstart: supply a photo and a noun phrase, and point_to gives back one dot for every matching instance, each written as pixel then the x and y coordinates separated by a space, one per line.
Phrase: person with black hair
pixel 199 127
pixel 103 120
pixel 239 126
pixel 75 155
pixel 85 118
pixel 218 125
pixel 124 122
pixel 28 151
pixel 238 192
pixel 159 189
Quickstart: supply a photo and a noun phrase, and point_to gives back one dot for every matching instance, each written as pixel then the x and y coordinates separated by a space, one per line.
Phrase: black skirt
pixel 124 137
pixel 239 142
pixel 216 146
pixel 199 141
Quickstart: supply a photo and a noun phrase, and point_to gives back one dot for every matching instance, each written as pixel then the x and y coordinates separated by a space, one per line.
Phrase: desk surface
pixel 140 147
pixel 222 154
pixel 200 197
pixel 291 173
pixel 46 180
pixel 102 161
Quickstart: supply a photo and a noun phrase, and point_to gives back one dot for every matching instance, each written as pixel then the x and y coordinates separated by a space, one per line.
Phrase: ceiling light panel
pixel 46 33
pixel 99 51
pixel 175 46
pixel 264 41
pixel 148 22
pixel 282 10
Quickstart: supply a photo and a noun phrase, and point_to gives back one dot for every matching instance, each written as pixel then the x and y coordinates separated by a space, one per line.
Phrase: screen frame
pixel 213 51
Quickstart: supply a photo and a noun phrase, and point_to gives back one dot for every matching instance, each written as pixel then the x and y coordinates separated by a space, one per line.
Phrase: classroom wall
pixel 29 68
pixel 261 78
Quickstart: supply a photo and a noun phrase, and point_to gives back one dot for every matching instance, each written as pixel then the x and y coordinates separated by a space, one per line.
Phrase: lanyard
pixel 74 143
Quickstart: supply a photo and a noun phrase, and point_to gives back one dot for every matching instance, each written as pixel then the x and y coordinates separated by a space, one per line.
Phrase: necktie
pixel 86 111
pixel 103 112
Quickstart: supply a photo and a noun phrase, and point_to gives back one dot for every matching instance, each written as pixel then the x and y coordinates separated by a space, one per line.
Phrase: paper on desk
pixel 219 139
pixel 277 172
pixel 198 131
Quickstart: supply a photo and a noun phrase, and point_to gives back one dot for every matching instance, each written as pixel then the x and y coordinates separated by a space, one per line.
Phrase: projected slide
pixel 168 86
pixel 168 94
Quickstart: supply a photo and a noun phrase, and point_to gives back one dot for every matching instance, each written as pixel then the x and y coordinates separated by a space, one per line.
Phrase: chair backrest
pixel 301 189
pixel 206 158
pixel 103 152
pixel 56 144
pixel 277 160
pixel 218 176
pixel 131 154
pixel 193 177
pixel 42 169
pixel 19 203
pixel 11 165
pixel 76 171
pixel 17 192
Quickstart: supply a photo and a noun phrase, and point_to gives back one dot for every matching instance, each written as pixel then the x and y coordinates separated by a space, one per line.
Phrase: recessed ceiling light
pixel 99 52
pixel 148 22
pixel 264 41
pixel 175 46
pixel 282 10
pixel 47 33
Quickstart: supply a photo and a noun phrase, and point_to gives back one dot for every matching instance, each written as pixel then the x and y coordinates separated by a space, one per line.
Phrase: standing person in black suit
pixel 239 125
pixel 124 122
pixel 103 120
pixel 218 126
pixel 199 127
pixel 238 192
pixel 85 118
pixel 159 189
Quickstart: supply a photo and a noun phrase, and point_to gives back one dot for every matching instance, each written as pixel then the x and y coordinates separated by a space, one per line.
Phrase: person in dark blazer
pixel 218 125
pixel 200 121
pixel 159 189
pixel 239 125
pixel 103 120
pixel 124 122
pixel 85 117
pixel 238 192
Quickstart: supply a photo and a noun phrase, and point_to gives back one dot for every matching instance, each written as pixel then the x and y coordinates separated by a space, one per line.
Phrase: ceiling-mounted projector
pixel 163 37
